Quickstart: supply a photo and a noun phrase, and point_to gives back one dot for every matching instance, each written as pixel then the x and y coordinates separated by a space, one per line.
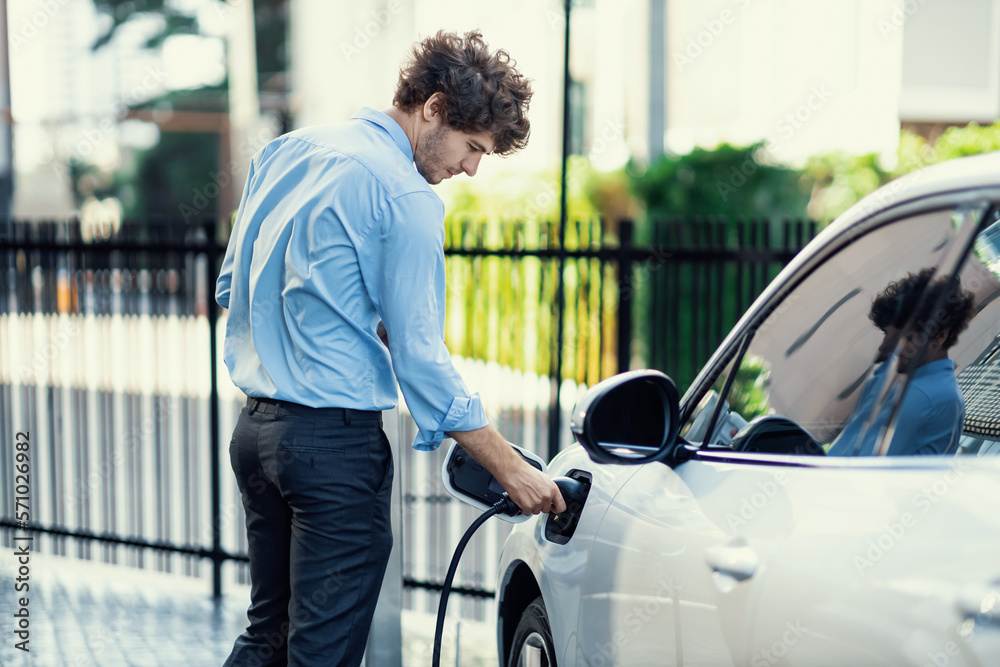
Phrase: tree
pixel 121 11
pixel 727 181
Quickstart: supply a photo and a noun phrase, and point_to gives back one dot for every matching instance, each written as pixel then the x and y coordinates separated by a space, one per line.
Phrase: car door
pixel 730 557
pixel 886 565
pixel 880 560
pixel 650 595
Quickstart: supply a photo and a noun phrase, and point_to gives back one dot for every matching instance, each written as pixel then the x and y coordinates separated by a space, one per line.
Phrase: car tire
pixel 532 645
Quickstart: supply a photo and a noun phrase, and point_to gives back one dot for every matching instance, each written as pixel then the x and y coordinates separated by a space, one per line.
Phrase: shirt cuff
pixel 465 414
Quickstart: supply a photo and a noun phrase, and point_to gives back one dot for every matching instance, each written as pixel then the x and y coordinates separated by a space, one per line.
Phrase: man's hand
pixel 532 490
pixel 529 488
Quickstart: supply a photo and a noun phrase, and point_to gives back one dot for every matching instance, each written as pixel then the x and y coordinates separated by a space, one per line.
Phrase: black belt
pixel 348 415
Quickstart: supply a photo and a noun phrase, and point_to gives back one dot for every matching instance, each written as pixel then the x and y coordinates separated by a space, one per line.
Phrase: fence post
pixel 213 418
pixel 624 295
pixel 555 404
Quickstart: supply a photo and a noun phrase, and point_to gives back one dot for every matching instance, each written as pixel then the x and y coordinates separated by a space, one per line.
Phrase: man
pixel 334 280
pixel 933 411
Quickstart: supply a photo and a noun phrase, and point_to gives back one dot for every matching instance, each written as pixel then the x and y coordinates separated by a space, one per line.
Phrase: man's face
pixel 443 152
pixel 889 339
pixel 910 347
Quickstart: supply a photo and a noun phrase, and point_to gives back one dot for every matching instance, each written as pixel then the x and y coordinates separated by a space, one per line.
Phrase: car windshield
pixel 889 347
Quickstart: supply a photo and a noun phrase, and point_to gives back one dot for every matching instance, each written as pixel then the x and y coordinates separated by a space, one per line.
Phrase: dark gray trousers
pixel 315 485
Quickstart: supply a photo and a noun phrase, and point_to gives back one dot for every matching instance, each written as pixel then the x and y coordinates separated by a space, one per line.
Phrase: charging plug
pixel 466 479
pixel 560 527
pixel 574 492
pixel 506 506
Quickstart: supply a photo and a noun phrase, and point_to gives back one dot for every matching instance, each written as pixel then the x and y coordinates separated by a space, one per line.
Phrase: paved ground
pixel 85 614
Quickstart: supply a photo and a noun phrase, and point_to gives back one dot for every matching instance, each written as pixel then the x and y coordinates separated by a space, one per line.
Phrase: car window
pixel 978 349
pixel 745 400
pixel 822 361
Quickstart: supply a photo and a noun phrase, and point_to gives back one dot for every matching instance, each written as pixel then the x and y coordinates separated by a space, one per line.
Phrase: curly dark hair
pixel 483 92
pixel 894 305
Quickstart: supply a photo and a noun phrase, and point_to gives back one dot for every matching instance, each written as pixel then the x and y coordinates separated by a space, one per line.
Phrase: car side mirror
pixel 628 418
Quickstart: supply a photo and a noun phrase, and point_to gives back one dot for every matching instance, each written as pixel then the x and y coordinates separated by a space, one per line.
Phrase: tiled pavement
pixel 85 614
pixel 88 614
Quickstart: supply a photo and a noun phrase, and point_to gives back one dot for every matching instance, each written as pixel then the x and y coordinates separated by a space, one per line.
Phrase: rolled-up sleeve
pixel 408 288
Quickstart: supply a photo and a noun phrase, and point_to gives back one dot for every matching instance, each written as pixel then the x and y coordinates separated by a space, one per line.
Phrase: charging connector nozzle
pixel 506 506
pixel 574 492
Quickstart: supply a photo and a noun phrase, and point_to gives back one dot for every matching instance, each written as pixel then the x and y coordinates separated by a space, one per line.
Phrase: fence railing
pixel 109 358
pixel 706 273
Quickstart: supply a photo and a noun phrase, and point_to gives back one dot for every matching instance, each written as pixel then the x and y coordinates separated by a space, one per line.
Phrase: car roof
pixel 971 178
pixel 968 173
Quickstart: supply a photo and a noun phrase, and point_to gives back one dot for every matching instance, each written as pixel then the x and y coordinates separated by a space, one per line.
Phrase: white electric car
pixel 718 531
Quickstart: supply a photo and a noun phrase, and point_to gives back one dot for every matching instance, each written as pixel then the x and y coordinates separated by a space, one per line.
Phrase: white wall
pixel 951 59
pixel 806 75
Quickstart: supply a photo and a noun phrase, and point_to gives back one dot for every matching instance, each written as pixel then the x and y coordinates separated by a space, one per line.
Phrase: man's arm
pixel 530 489
pixel 407 276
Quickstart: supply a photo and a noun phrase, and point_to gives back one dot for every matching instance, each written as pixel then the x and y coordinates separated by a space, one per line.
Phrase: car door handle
pixel 735 559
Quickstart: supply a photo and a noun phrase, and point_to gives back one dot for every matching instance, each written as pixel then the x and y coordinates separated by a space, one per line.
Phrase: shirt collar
pixel 939 366
pixel 390 126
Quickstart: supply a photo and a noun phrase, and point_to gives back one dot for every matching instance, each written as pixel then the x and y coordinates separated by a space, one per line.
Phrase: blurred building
pixel 805 76
pixel 68 101
pixel 810 76
pixel 347 54
pixel 951 62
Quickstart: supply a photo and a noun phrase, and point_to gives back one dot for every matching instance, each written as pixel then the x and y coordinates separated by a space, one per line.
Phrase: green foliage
pixel 178 170
pixel 503 309
pixel 749 396
pixel 726 181
pixel 954 142
pixel 610 194
pixel 88 181
pixel 840 180
pixel 121 11
pixel 526 196
pixel 270 37
pixel 175 171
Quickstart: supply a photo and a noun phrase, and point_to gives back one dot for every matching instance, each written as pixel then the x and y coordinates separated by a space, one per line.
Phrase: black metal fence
pixel 109 360
pixel 110 364
pixel 706 274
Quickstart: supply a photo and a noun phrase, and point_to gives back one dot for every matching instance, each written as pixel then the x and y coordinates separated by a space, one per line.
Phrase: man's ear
pixel 434 107
pixel 941 337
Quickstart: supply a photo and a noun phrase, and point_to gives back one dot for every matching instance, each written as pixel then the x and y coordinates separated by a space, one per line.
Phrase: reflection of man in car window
pixel 933 411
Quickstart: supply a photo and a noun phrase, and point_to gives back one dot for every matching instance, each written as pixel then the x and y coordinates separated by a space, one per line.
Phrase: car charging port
pixel 575 488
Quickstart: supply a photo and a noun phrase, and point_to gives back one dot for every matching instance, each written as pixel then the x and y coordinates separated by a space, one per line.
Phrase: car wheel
pixel 532 645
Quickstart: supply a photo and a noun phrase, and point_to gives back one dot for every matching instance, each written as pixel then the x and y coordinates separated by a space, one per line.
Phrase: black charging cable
pixel 574 493
pixel 503 506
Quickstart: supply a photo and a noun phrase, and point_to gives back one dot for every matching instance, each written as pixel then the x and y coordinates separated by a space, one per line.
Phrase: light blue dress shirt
pixel 930 419
pixel 336 230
